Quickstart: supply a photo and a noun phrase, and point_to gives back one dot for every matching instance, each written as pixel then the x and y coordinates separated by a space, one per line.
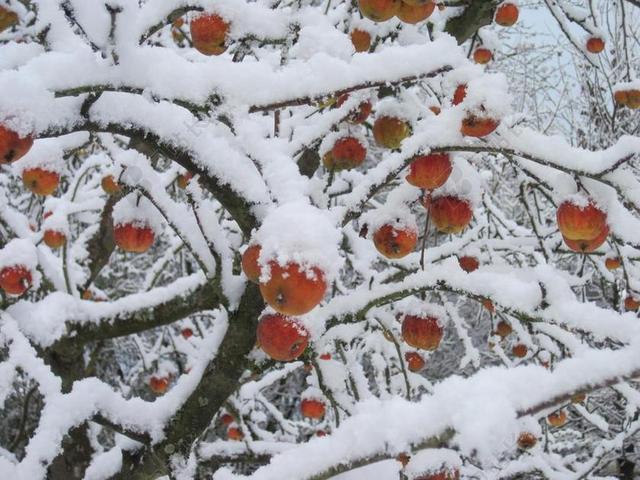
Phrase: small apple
pixel 503 329
pixel 8 18
pixel 631 303
pixel 612 263
pixel 345 154
pixel 361 114
pixel 450 214
pixel 158 385
pixel 468 264
pixel 488 305
pixel 227 419
pixel 435 109
pixel 234 433
pixel 389 132
pixel 12 146
pixel 595 45
pixel 459 94
pixel 361 40
pixel 109 185
pixel 482 55
pixel 250 265
pixel 628 98
pixel 520 350
pixel 413 14
pixel 379 10
pixel 580 222
pixel 282 338
pixel 312 408
pixel 186 333
pixel 527 440
pixel 579 397
pixel 54 239
pixel 209 33
pixel 557 419
pixel 430 171
pixel 422 332
pixel 507 14
pixel 15 279
pixel 133 237
pixel 40 181
pixel 293 290
pixel 415 361
pixel 474 126
pixel 395 242
pixel 325 356
pixel 183 180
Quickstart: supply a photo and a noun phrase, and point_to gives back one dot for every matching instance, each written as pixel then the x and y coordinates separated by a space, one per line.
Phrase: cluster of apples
pixel 629 97
pixel 291 290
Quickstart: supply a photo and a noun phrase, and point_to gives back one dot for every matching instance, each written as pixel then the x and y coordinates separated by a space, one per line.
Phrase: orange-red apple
pixel 186 333
pixel 13 146
pixel 468 264
pixel 133 237
pixel 183 180
pixel 54 239
pixel 422 332
pixel 292 290
pixel 520 350
pixel 587 246
pixel 482 55
pixel 474 126
pixel 158 385
pixel 361 40
pixel 628 98
pixel 507 14
pixel 235 434
pixel 577 222
pixel 40 181
pixel 612 263
pixel 345 154
pixel 595 45
pixel 459 94
pixel 282 338
pixel 395 242
pixel 325 356
pixel 557 419
pixel 415 361
pixel 209 33
pixel 15 280
pixel 312 408
pixel 430 171
pixel 527 440
pixel 379 10
pixel 389 132
pixel 413 14
pixel 631 303
pixel 450 214
pixel 109 185
pixel 227 419
pixel 8 18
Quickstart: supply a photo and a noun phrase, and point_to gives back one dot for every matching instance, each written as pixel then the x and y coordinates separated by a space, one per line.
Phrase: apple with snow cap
pixel 449 213
pixel 507 14
pixel 312 405
pixel 159 384
pixel 40 181
pixel 429 171
pixel 13 146
pixel 293 289
pixel 415 361
pixel 557 419
pixel 395 241
pixel 342 151
pixel 110 185
pixel 422 331
pixel 134 224
pixel 282 338
pixel 582 223
pixel 234 433
pixel 390 131
pixel 209 33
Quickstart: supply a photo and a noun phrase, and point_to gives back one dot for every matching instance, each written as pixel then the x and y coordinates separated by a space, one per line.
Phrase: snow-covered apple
pixel 468 263
pixel 40 181
pixel 209 33
pixel 450 214
pixel 430 171
pixel 395 242
pixel 389 132
pixel 292 289
pixel 422 331
pixel 12 146
pixel 282 338
pixel 15 279
pixel 312 408
pixel 134 237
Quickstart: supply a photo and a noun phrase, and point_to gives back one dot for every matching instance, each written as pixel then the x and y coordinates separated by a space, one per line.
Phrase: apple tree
pixel 313 239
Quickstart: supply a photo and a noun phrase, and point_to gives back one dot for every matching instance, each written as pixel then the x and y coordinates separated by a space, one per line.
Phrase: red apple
pixel 613 263
pixel 158 385
pixel 361 40
pixel 291 290
pixel 346 153
pixel 415 361
pixel 595 45
pixel 250 265
pixel 325 356
pixel 557 418
pixel 422 332
pixel 109 185
pixel 235 434
pixel 15 279
pixel 468 264
pixel 527 440
pixel 430 171
pixel 282 338
pixel 395 242
pixel 474 126
pixel 209 33
pixel 482 55
pixel 413 14
pixel 312 408
pixel 227 419
pixel 389 132
pixel 459 94
pixel 520 350
pixel 40 181
pixel 577 222
pixel 12 146
pixel 435 109
pixel 133 237
pixel 488 305
pixel 186 333
pixel 54 239
pixel 379 10
pixel 450 214
pixel 628 98
pixel 631 303
pixel 507 14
